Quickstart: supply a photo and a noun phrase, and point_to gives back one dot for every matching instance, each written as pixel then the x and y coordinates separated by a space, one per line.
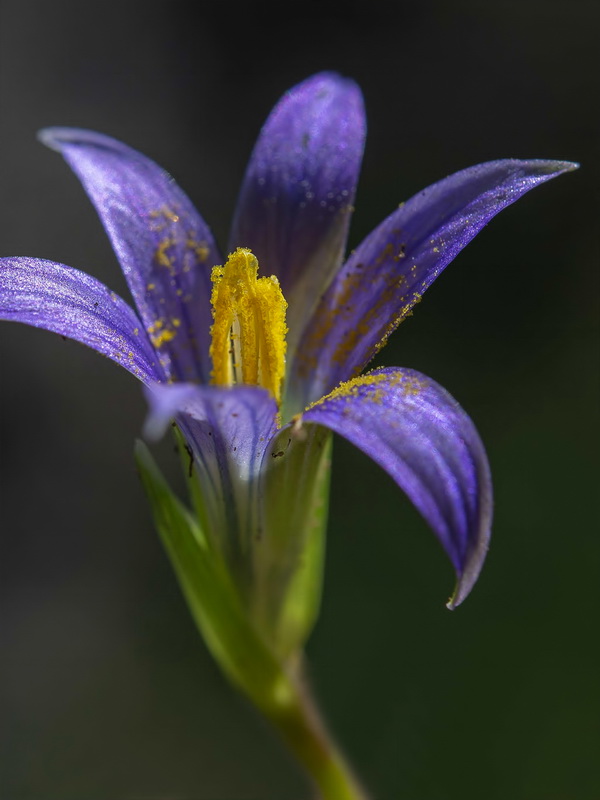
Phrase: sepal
pixel 290 555
pixel 228 632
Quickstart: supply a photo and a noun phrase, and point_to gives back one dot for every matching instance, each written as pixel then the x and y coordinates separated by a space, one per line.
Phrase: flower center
pixel 248 333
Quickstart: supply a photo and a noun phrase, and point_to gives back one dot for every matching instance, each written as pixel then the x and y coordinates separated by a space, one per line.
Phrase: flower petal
pixel 237 422
pixel 295 203
pixel 73 304
pixel 227 430
pixel 421 437
pixel 164 247
pixel 388 273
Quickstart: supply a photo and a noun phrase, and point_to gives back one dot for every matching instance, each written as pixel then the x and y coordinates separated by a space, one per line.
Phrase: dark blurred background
pixel 107 690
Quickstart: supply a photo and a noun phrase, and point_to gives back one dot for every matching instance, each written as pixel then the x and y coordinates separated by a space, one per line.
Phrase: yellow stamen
pixel 248 333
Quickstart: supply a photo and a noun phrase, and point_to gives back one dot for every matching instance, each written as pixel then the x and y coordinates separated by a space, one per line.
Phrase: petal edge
pixel 165 248
pixel 64 300
pixel 390 270
pixel 422 438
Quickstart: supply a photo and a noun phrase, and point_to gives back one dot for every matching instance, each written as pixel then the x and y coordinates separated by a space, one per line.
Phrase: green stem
pixel 303 730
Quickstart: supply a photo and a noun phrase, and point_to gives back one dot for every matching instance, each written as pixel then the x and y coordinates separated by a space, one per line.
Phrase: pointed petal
pixel 228 430
pixel 73 304
pixel 388 273
pixel 421 437
pixel 296 199
pixel 164 247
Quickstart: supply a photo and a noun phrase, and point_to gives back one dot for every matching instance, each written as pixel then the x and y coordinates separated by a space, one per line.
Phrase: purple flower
pixel 257 426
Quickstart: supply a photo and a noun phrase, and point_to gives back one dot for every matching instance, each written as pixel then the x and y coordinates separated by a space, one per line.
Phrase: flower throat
pixel 248 333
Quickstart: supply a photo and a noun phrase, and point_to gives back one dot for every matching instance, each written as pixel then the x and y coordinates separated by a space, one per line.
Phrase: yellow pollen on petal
pixel 163 337
pixel 161 332
pixel 374 387
pixel 248 332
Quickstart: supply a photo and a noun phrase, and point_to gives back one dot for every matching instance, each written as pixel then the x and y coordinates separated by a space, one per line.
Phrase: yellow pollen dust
pixel 248 333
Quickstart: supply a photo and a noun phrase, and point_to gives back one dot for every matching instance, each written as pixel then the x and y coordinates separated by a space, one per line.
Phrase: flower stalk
pixel 304 732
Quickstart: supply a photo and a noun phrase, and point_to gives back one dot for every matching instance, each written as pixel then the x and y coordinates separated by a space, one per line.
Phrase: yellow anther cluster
pixel 248 333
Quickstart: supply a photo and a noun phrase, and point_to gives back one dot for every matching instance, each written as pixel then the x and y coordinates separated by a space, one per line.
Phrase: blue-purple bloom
pixel 293 214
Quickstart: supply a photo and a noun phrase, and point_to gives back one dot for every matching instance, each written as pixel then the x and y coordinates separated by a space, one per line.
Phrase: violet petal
pixel 240 419
pixel 421 437
pixel 164 247
pixel 228 430
pixel 389 272
pixel 73 304
pixel 296 199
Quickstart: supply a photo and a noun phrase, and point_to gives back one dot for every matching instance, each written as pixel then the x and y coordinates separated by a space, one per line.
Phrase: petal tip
pixel 329 83
pixel 154 428
pixel 461 591
pixel 453 600
pixel 57 137
pixel 325 76
pixel 160 412
pixel 558 167
pixel 468 578
pixel 51 137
